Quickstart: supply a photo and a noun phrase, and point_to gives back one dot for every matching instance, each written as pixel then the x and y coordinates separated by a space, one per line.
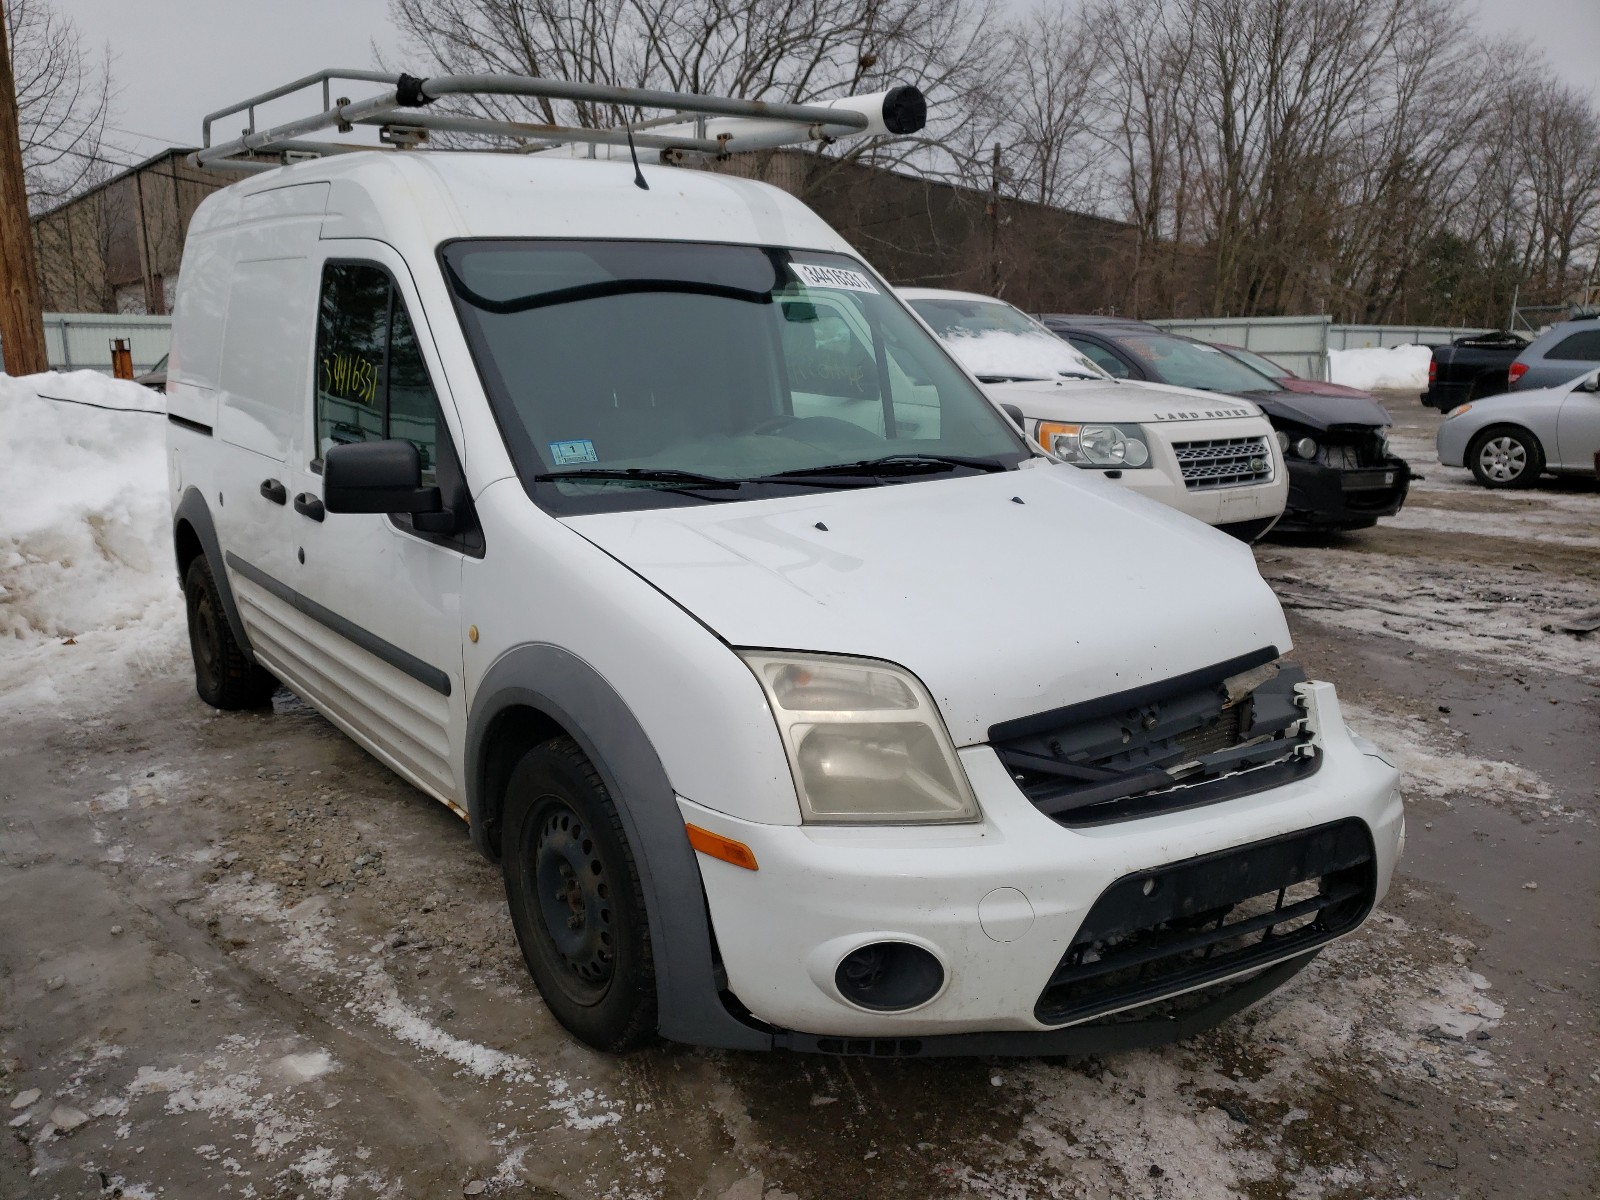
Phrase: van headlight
pixel 1095 445
pixel 865 742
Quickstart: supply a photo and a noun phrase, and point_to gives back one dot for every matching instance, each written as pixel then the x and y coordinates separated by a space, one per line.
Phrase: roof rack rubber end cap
pixel 905 109
pixel 409 93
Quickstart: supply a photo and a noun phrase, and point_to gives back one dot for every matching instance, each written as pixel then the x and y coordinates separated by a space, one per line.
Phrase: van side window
pixel 372 382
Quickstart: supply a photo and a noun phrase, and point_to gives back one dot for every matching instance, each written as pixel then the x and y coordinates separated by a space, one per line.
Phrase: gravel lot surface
pixel 240 958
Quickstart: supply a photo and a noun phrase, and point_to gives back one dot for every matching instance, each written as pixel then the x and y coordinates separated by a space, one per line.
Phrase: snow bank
pixel 1030 355
pixel 86 574
pixel 1400 368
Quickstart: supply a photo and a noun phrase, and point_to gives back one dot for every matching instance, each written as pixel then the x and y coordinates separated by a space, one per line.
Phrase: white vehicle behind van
pixel 801 701
pixel 1213 457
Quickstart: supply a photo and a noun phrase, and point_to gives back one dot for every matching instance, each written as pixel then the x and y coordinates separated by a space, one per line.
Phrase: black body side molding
pixel 397 657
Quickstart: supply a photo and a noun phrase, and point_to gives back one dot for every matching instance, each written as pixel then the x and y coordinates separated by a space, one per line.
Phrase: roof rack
pixel 699 125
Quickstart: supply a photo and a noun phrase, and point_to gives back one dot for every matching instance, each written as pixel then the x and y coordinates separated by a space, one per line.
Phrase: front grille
pixel 1187 924
pixel 1211 735
pixel 1223 462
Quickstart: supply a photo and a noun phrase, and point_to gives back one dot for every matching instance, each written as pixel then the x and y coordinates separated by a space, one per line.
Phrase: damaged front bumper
pixel 1324 498
pixel 1056 938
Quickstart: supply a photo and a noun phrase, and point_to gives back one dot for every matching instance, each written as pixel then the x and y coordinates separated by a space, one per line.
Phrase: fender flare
pixel 193 509
pixel 568 691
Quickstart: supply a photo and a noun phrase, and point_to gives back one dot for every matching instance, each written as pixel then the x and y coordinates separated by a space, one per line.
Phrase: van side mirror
pixel 376 477
pixel 1015 413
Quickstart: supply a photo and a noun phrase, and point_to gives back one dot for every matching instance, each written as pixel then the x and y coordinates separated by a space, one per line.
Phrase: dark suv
pixel 1341 473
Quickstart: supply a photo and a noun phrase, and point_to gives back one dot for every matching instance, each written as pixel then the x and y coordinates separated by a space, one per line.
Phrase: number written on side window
pixel 371 382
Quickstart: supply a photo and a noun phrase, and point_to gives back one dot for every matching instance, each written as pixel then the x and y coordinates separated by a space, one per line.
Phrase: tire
pixel 576 903
pixel 1505 456
pixel 225 675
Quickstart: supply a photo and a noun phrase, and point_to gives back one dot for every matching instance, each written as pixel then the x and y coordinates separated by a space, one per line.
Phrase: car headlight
pixel 1306 447
pixel 865 742
pixel 1095 445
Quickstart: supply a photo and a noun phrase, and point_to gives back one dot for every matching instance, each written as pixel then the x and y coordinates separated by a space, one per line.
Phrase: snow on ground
pixel 1402 368
pixel 1430 767
pixel 86 574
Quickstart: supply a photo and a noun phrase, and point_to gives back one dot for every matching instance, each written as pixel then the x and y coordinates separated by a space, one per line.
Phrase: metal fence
pixel 1360 337
pixel 82 341
pixel 1299 343
pixel 1302 343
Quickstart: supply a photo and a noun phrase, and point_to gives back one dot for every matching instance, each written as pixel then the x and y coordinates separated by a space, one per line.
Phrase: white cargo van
pixel 626 511
pixel 1213 457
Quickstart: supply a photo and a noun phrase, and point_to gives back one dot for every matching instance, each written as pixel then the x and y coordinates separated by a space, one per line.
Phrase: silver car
pixel 1511 439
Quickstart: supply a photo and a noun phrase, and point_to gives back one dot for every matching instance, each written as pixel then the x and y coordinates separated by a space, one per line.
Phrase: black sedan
pixel 1341 473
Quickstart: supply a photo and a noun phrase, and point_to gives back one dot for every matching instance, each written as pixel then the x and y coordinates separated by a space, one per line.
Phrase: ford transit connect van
pixel 801 701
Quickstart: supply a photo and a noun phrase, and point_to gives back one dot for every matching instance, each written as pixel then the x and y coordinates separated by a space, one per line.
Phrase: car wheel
pixel 1504 456
pixel 225 676
pixel 576 902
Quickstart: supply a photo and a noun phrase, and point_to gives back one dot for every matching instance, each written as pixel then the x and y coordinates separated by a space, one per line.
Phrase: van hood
pixel 1107 400
pixel 1322 412
pixel 1006 594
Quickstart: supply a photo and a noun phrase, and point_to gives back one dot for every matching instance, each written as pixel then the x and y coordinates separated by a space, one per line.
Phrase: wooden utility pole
pixel 21 315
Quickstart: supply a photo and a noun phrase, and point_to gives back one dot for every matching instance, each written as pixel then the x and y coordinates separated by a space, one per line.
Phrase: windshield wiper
pixel 897 464
pixel 684 479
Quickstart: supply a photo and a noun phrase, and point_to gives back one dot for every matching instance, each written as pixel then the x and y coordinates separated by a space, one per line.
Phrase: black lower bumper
pixel 1109 1036
pixel 1324 499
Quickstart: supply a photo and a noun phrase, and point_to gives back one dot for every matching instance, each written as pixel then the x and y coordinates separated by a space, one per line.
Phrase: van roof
pixel 417 200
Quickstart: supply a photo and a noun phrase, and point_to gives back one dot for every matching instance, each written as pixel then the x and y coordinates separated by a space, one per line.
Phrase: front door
pixel 383 636
pixel 1578 429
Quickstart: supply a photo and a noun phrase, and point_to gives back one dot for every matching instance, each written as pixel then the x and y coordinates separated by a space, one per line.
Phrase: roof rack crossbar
pixel 698 124
pixel 323 77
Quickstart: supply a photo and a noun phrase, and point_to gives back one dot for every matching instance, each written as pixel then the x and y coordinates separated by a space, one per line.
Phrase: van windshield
pixel 632 374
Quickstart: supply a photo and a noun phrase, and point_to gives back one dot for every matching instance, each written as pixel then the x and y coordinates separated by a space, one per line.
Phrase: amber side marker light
pixel 717 846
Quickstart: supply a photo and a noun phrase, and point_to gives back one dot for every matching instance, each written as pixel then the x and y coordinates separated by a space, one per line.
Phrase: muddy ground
pixel 239 958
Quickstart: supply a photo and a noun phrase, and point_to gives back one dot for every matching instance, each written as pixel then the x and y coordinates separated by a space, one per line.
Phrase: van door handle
pixel 274 491
pixel 308 505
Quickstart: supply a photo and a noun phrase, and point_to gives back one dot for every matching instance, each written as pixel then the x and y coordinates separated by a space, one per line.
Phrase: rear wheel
pixel 1504 456
pixel 576 902
pixel 225 676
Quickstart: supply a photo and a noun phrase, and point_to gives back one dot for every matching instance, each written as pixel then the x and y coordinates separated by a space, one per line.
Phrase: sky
pixel 175 60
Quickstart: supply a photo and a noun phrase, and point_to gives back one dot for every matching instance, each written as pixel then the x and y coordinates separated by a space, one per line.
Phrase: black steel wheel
pixel 225 676
pixel 575 898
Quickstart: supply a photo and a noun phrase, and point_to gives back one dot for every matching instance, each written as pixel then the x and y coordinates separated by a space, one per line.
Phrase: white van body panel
pixel 907 573
pixel 704 711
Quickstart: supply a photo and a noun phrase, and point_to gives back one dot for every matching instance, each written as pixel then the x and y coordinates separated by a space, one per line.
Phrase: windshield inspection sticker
pixel 567 453
pixel 839 278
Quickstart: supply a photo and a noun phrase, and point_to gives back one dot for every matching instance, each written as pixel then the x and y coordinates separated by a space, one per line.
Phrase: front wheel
pixel 1505 456
pixel 576 903
pixel 225 675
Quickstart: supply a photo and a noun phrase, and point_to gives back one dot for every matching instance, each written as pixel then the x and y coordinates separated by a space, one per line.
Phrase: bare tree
pixel 62 97
pixel 794 51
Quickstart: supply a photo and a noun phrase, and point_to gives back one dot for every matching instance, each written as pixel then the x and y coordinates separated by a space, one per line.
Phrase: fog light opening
pixel 889 976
